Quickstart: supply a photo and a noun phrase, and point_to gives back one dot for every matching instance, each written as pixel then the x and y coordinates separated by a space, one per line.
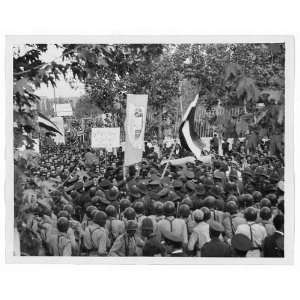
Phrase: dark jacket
pixel 216 248
pixel 274 245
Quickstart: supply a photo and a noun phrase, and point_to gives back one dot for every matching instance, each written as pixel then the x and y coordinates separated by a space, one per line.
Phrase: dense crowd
pixel 79 203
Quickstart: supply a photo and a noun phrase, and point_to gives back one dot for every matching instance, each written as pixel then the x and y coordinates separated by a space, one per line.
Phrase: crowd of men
pixel 79 203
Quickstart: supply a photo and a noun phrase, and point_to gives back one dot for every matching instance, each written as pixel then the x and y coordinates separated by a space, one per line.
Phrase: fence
pixel 202 126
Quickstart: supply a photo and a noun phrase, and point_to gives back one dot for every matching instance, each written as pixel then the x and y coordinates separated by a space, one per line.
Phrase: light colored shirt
pixel 85 223
pixel 139 219
pixel 114 227
pixel 95 239
pixel 174 229
pixel 199 236
pixel 258 235
pixel 155 220
pixel 231 223
pixel 216 215
pixel 126 245
pixel 270 228
pixel 60 245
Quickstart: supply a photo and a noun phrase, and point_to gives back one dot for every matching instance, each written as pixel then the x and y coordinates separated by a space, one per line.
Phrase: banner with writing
pixel 136 112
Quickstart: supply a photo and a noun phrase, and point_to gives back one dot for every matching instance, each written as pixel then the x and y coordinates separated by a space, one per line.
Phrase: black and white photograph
pixel 150 150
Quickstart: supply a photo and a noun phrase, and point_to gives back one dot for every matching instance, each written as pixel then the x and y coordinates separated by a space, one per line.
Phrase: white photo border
pixel 167 39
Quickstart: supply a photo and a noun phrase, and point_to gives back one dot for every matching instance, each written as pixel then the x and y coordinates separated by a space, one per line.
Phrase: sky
pixel 63 88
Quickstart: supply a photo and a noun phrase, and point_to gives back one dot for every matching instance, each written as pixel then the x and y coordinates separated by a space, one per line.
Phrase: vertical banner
pixel 136 112
pixel 59 122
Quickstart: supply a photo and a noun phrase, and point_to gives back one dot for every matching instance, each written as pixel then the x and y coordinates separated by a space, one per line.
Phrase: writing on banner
pixel 136 112
pixel 107 138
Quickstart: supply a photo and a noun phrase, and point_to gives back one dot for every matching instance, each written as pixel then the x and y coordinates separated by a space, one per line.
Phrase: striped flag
pixel 44 122
pixel 187 134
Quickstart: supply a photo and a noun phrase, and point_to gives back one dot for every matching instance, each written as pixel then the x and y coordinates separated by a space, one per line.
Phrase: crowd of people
pixel 79 202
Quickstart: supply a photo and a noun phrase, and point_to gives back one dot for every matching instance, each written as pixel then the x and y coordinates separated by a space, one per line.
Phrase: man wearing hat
pixel 234 177
pixel 198 195
pixel 127 244
pixel 173 230
pixel 232 219
pixel 158 215
pixel 240 245
pixel 190 187
pixel 163 194
pixel 215 247
pixel 152 246
pixel 219 177
pixel 154 187
pixel 105 185
pixel 248 180
pixel 200 233
pixel 254 231
pixel 60 244
pixel 113 226
pixel 95 238
pixel 178 187
pixel 87 218
pixel 113 196
pixel 274 244
pixel 134 193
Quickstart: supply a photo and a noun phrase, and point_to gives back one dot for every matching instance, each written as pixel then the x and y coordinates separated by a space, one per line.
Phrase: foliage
pixel 225 74
pixel 84 108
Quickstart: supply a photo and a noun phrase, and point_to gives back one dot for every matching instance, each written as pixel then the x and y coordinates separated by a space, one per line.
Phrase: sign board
pixel 63 110
pixel 59 122
pixel 107 138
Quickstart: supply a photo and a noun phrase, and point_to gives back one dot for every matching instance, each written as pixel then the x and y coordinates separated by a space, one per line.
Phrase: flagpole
pixel 168 162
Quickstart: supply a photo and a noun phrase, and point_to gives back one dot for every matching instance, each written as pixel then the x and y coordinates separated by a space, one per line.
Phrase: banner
pixel 136 112
pixel 206 159
pixel 107 138
pixel 59 122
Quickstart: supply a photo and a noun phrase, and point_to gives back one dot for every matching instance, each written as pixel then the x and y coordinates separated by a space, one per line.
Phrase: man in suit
pixel 274 244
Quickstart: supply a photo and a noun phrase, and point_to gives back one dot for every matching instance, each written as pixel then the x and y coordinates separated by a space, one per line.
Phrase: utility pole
pixel 54 97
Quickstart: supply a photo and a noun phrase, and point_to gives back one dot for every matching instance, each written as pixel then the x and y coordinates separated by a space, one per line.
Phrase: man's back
pixel 114 227
pixel 216 248
pixel 199 237
pixel 60 245
pixel 231 223
pixel 174 229
pixel 255 232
